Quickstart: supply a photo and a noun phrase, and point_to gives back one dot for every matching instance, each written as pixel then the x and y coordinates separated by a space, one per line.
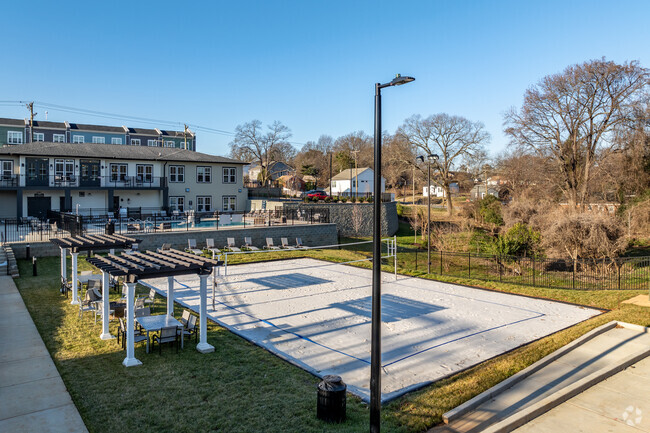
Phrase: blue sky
pixel 309 64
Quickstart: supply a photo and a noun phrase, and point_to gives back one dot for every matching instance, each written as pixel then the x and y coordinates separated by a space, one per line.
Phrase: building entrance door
pixel 38 206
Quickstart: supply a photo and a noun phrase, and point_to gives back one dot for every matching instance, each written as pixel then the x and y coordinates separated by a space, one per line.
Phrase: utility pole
pixel 356 179
pixel 30 107
pixel 331 173
pixel 185 134
pixel 413 179
pixel 350 194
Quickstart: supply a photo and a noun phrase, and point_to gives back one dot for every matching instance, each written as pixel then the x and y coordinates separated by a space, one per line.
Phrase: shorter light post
pixel 430 158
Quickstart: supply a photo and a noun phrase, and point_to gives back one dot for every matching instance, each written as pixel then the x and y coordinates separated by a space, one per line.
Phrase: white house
pixel 438 191
pixel 359 181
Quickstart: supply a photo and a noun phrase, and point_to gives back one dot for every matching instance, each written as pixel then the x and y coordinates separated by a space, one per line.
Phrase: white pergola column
pixel 105 335
pixel 112 251
pixel 64 264
pixel 215 273
pixel 74 279
pixel 203 345
pixel 170 296
pixel 130 360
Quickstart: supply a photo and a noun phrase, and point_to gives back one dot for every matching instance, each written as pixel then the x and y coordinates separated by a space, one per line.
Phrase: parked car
pixel 316 193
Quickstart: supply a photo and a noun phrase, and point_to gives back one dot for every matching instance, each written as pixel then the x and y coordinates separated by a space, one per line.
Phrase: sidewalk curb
pixel 528 414
pixel 486 395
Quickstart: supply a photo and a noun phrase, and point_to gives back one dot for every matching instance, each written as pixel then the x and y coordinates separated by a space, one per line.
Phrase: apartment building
pixel 20 131
pixel 39 176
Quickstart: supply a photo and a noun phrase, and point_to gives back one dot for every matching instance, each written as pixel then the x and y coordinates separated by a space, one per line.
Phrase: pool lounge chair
pixel 164 247
pixel 248 244
pixel 134 248
pixel 231 245
pixel 191 247
pixel 269 244
pixel 285 244
pixel 299 243
pixel 209 245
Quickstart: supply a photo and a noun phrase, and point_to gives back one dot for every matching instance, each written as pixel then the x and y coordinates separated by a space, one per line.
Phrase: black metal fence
pixel 624 273
pixel 61 224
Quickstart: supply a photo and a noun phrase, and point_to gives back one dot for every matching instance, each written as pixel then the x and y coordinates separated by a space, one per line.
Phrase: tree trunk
pixel 445 187
pixel 572 195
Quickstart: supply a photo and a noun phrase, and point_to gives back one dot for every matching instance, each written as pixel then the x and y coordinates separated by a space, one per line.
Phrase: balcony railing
pixel 10 181
pixel 72 181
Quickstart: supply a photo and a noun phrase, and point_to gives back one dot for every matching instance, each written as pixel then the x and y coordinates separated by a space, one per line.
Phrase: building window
pixel 177 173
pixel 229 203
pixel 58 138
pixel 152 143
pixel 39 136
pixel 144 173
pixel 177 203
pixel 229 175
pixel 7 170
pixel 135 142
pixel 203 203
pixel 14 137
pixel 77 138
pixel 116 140
pixel 204 174
pixel 63 169
pixel 99 140
pixel 170 144
pixel 118 172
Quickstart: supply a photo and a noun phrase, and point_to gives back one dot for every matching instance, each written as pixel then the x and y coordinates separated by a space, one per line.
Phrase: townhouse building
pixel 19 131
pixel 85 177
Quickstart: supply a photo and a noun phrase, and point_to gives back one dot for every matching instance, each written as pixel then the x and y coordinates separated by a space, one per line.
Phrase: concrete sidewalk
pixel 570 370
pixel 620 403
pixel 33 396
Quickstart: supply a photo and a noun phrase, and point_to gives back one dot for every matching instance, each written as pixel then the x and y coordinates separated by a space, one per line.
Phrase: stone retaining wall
pixel 311 234
pixel 355 219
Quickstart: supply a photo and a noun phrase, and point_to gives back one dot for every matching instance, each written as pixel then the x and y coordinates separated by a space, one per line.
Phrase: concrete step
pixel 11 262
pixel 552 380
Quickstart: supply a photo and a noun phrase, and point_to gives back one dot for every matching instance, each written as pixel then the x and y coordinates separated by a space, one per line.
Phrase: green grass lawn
pixel 243 388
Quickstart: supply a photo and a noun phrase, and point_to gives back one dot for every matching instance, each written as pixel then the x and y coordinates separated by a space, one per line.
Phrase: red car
pixel 320 195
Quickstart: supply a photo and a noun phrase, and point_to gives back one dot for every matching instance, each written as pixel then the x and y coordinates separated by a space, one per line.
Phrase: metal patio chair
pixel 167 335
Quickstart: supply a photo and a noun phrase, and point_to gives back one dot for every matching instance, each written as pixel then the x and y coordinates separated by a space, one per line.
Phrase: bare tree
pixel 396 151
pixel 346 146
pixel 252 144
pixel 452 138
pixel 584 236
pixel 567 116
pixel 357 219
pixel 528 176
pixel 316 155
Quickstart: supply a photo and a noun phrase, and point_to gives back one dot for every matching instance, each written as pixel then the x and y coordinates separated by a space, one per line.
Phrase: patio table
pixel 156 323
pixel 83 279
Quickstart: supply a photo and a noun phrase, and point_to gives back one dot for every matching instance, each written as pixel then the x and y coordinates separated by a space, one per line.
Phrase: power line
pixel 113 116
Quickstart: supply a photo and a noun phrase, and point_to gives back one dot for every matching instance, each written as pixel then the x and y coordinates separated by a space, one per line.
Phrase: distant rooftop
pixel 112 151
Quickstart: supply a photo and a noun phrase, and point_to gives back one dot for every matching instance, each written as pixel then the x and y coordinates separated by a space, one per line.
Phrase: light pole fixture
pixel 375 341
pixel 430 158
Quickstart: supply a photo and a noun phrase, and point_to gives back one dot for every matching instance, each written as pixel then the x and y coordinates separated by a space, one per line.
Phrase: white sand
pixel 317 315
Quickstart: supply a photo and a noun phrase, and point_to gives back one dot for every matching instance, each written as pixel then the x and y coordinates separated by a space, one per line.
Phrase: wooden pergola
pixel 76 244
pixel 149 264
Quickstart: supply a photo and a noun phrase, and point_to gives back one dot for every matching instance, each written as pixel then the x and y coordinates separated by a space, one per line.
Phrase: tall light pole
pixel 375 342
pixel 430 158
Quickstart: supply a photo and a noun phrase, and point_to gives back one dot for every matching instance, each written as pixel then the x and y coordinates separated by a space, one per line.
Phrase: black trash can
pixel 331 399
pixel 110 228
